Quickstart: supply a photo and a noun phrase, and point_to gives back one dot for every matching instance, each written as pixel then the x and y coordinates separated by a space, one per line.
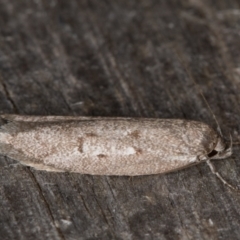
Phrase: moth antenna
pixel 232 142
pixel 199 90
pixel 213 170
pixel 210 109
pixel 214 116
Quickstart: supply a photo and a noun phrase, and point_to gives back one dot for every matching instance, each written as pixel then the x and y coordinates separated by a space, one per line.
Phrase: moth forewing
pixel 108 146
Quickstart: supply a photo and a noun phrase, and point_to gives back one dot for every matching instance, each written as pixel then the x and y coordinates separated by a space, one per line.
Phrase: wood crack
pixel 60 234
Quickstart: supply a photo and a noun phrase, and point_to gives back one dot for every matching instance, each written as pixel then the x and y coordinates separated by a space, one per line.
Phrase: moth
pixel 110 146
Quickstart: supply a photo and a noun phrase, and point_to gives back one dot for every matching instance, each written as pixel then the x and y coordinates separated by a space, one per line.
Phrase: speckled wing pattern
pixel 105 146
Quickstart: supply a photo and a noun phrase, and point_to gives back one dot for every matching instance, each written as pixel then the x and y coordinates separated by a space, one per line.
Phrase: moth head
pixel 221 150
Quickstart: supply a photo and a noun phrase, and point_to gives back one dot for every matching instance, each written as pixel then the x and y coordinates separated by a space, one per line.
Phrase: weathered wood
pixel 121 58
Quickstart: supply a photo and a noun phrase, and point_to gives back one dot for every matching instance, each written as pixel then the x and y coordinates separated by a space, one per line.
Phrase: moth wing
pixel 39 166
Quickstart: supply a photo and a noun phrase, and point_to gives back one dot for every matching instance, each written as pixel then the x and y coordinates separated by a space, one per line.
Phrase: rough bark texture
pixel 121 58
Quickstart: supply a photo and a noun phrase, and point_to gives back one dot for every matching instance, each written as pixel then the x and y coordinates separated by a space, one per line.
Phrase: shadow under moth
pixel 110 146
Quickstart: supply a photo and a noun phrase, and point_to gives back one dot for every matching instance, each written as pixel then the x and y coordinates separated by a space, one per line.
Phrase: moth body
pixel 109 146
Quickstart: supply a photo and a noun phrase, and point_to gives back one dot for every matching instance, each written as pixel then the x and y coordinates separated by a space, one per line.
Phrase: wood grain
pixel 131 59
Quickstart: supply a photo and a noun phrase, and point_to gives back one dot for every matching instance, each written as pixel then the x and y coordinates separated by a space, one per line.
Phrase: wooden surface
pixel 121 58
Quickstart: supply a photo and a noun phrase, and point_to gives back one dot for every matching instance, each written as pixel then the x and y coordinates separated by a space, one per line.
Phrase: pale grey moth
pixel 110 146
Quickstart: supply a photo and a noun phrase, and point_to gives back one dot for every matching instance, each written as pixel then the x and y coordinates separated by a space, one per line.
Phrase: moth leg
pixel 213 170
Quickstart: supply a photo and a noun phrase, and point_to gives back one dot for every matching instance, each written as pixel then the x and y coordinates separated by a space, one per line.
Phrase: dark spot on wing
pixel 91 134
pixel 80 145
pixel 101 155
pixel 135 134
pixel 139 151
